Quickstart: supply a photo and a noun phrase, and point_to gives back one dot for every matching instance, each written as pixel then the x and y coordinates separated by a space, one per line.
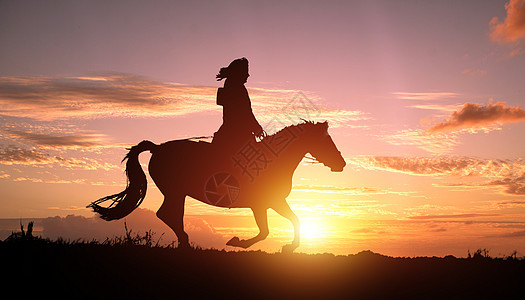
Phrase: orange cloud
pixel 336 189
pixel 473 115
pixel 450 216
pixel 511 29
pixel 13 155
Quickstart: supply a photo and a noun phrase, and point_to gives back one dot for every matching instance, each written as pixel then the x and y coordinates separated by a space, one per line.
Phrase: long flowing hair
pixel 238 67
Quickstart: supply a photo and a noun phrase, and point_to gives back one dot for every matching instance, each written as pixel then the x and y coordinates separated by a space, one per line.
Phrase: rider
pixel 238 122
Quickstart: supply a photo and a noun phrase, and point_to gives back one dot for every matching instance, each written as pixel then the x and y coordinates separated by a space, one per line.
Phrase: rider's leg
pixel 171 212
pixel 261 218
pixel 284 210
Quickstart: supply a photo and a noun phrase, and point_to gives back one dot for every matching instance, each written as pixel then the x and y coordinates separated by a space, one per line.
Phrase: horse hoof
pixel 184 246
pixel 288 248
pixel 234 242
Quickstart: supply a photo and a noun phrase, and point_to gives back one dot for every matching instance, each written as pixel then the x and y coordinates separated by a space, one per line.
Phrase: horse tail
pixel 127 201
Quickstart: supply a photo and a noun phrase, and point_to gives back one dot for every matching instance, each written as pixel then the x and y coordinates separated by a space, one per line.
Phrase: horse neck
pixel 293 153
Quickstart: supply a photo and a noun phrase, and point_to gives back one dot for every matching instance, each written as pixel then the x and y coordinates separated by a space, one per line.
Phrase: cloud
pixel 434 166
pixel 512 28
pixel 515 234
pixel 474 72
pixel 514 185
pixel 117 95
pixel 425 96
pixel 442 137
pixel 507 204
pixel 335 189
pixel 443 165
pixel 80 139
pixel 440 107
pixel 439 143
pixel 451 216
pixel 278 108
pixel 507 174
pixel 473 115
pixel 114 94
pixel 340 190
pixel 75 227
pixel 14 155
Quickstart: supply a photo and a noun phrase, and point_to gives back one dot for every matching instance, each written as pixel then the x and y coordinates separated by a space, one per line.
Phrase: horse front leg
pixel 284 210
pixel 261 218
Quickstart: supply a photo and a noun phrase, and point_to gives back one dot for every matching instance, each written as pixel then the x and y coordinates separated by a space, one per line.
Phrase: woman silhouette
pixel 238 122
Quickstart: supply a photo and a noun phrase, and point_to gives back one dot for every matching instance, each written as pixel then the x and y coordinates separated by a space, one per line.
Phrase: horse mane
pixel 304 123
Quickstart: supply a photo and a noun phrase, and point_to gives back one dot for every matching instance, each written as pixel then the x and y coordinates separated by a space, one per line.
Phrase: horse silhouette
pixel 257 175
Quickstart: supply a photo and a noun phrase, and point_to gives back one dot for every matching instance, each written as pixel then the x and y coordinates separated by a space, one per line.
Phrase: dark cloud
pixel 516 234
pixel 50 140
pixel 473 115
pixel 75 227
pixel 514 185
pixel 517 203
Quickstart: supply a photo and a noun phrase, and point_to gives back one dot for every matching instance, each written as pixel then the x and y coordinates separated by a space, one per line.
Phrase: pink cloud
pixel 124 95
pixel 51 98
pixel 425 96
pixel 474 72
pixel 507 174
pixel 512 28
pixel 473 115
pixel 439 143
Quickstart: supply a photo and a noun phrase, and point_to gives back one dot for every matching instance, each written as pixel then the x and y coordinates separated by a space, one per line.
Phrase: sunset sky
pixel 424 100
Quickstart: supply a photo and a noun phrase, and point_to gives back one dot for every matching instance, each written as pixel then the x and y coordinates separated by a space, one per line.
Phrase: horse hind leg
pixel 171 212
pixel 261 219
pixel 283 209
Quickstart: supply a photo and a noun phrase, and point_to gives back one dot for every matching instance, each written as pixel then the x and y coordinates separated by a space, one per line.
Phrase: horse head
pixel 322 147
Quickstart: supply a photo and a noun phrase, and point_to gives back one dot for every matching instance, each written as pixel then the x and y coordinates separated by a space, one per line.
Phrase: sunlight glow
pixel 311 228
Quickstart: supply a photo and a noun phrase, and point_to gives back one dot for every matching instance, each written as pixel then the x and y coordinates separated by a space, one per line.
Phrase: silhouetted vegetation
pixel 136 266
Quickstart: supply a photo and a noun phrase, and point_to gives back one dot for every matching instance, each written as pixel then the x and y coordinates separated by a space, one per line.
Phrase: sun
pixel 311 229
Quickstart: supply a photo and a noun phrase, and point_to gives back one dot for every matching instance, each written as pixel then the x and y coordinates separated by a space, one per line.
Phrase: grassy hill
pixel 133 266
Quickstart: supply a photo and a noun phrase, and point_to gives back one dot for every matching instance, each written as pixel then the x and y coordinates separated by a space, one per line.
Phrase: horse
pixel 256 175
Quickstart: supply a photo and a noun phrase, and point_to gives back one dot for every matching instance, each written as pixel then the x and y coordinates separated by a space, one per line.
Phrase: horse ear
pixel 325 124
